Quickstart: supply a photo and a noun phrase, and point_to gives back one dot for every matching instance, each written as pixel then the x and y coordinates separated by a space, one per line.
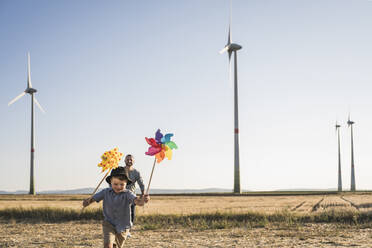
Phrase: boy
pixel 116 208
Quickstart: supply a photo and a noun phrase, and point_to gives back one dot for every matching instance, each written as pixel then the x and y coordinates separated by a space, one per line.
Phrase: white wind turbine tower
pixel 339 157
pixel 350 124
pixel 233 48
pixel 30 91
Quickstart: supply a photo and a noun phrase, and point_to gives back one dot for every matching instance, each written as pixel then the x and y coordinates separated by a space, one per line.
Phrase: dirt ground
pixel 89 234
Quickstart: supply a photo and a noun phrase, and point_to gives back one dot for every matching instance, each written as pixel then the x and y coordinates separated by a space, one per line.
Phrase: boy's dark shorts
pixel 111 236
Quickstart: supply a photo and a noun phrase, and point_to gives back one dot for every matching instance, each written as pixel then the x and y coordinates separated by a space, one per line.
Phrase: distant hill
pixel 303 189
pixel 21 192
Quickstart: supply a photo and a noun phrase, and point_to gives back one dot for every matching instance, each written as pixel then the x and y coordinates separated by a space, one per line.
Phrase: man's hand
pixel 146 198
pixel 140 201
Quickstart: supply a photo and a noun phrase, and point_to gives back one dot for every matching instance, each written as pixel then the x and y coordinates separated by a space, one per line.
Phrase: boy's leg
pixel 120 238
pixel 108 234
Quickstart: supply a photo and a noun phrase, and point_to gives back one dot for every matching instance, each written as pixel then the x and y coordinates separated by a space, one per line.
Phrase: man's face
pixel 118 185
pixel 129 161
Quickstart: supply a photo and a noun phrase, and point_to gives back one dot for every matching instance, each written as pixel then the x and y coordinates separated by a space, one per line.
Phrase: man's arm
pixel 140 183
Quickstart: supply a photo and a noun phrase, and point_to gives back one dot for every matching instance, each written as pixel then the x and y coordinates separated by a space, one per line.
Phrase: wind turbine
pixel 339 157
pixel 232 48
pixel 350 124
pixel 30 91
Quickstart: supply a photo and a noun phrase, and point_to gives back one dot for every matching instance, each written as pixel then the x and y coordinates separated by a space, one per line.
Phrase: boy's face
pixel 118 185
pixel 129 160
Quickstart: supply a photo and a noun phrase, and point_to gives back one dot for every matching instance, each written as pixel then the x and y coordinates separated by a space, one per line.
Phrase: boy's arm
pixel 95 198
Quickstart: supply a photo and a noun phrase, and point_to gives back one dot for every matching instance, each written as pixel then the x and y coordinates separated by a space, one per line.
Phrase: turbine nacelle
pixel 337 125
pixel 234 47
pixel 349 123
pixel 30 90
pixel 231 47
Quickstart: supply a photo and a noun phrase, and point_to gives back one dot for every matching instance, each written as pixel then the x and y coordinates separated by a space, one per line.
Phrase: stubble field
pixel 34 232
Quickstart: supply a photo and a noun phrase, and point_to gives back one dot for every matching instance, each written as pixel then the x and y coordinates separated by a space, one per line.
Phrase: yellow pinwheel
pixel 110 159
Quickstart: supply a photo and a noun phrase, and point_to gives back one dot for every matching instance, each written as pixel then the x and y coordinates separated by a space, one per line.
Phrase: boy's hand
pixel 87 202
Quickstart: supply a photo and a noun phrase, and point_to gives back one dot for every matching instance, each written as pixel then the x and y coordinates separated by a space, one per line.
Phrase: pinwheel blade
pixel 38 104
pixel 159 156
pixel 158 136
pixel 166 138
pixel 152 142
pixel 168 153
pixel 171 145
pixel 15 99
pixel 153 151
pixel 29 84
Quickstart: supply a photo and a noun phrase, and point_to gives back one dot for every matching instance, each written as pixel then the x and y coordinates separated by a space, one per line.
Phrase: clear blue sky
pixel 110 73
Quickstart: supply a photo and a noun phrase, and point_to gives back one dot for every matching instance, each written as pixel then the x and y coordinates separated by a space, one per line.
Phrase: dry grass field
pixel 207 204
pixel 87 233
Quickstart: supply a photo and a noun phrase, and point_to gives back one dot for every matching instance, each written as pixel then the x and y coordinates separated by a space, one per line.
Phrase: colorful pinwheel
pixel 161 146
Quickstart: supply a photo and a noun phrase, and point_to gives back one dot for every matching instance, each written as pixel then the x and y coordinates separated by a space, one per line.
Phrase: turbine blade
pixel 29 84
pixel 38 104
pixel 15 99
pixel 229 37
pixel 230 72
pixel 224 49
pixel 230 23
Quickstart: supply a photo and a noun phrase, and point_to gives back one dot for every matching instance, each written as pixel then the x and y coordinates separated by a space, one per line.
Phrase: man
pixel 134 176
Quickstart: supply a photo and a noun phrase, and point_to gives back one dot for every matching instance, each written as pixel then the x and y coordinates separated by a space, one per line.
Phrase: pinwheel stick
pixel 98 186
pixel 100 183
pixel 152 171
